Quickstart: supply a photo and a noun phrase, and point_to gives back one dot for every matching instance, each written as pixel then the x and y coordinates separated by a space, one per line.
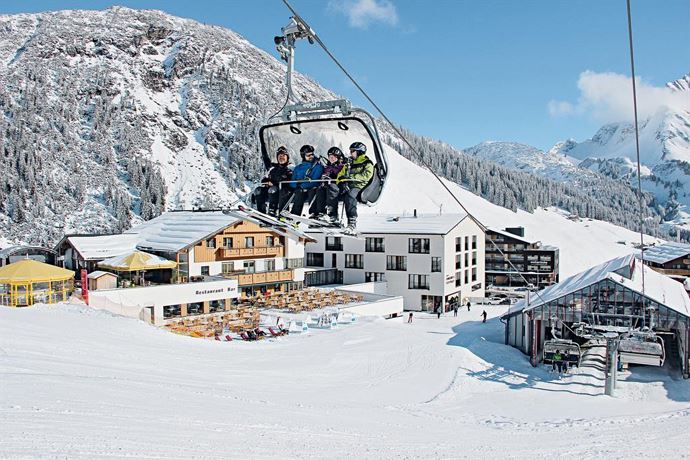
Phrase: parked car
pixel 493 300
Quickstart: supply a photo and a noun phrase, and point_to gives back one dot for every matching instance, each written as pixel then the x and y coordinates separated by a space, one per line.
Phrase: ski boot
pixel 351 228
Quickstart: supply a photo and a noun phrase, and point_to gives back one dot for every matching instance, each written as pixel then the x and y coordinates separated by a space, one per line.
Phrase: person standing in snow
pixel 455 309
pixel 409 318
pixel 310 169
pixel 438 312
pixel 484 316
pixel 468 305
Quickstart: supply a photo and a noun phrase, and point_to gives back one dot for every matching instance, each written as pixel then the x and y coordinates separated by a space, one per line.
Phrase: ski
pixel 327 227
pixel 264 218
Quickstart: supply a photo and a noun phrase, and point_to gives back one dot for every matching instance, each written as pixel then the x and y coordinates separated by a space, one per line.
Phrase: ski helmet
pixel 282 150
pixel 335 151
pixel 358 147
pixel 306 149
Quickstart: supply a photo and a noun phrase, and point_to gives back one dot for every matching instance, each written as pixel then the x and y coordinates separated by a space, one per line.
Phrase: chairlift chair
pixel 646 348
pixel 568 348
pixel 323 124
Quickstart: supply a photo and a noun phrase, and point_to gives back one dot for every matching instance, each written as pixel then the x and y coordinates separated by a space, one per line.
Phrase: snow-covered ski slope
pixel 79 383
pixel 582 243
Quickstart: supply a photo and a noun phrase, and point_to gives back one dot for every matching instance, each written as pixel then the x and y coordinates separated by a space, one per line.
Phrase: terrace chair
pixel 245 337
pixel 228 338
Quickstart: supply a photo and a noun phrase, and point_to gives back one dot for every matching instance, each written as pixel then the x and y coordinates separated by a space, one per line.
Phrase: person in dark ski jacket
pixel 310 169
pixel 356 174
pixel 271 191
pixel 484 316
pixel 331 171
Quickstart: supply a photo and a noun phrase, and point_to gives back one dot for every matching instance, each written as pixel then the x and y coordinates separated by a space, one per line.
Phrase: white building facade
pixel 427 259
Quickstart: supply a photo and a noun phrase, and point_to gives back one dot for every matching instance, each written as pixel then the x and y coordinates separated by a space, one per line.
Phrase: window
pixel 228 267
pixel 211 243
pixel 204 270
pixel 170 311
pixel 270 265
pixel 249 266
pixel 467 259
pixel 396 263
pixel 295 263
pixel 435 264
pixel 227 242
pixel 334 243
pixel 474 274
pixel 418 281
pixel 474 241
pixel 467 277
pixel 195 308
pixel 467 243
pixel 248 241
pixel 474 258
pixel 458 279
pixel 215 306
pixel 315 259
pixel 354 261
pixel 418 246
pixel 458 261
pixel 374 276
pixel 374 245
pixel 458 244
pixel 270 241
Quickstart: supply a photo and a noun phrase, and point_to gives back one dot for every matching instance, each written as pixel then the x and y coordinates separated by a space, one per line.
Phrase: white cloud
pixel 361 13
pixel 608 98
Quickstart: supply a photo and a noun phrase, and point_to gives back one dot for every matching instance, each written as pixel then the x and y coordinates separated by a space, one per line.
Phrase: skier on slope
pixel 351 180
pixel 270 191
pixel 484 316
pixel 331 171
pixel 309 169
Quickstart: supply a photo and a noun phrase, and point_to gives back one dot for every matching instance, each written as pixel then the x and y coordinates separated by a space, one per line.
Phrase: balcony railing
pixel 256 251
pixel 247 279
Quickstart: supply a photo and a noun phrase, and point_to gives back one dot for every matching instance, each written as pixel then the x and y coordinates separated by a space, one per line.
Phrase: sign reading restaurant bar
pixel 170 294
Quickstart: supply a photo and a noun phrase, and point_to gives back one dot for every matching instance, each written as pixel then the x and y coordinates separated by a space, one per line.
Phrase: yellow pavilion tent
pixel 137 261
pixel 28 281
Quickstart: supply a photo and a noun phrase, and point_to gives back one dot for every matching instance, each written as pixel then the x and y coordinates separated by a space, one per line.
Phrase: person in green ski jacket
pixel 354 176
pixel 557 360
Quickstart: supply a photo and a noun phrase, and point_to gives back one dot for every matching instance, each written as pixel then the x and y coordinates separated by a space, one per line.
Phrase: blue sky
pixel 467 71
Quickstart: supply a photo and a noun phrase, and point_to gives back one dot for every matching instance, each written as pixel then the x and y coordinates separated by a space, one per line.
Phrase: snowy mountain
pixel 110 117
pixel 664 154
pixel 529 159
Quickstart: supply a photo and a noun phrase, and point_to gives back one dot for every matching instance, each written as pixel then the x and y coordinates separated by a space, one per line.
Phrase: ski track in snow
pixel 79 383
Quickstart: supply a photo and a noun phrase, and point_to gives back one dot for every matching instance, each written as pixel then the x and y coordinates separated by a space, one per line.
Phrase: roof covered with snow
pixel 423 224
pixel 98 273
pixel 11 250
pixel 658 287
pixel 171 232
pixel 511 235
pixel 174 231
pixel 667 252
pixel 99 247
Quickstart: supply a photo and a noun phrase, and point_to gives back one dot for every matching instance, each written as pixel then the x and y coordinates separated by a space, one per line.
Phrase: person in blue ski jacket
pixel 310 169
